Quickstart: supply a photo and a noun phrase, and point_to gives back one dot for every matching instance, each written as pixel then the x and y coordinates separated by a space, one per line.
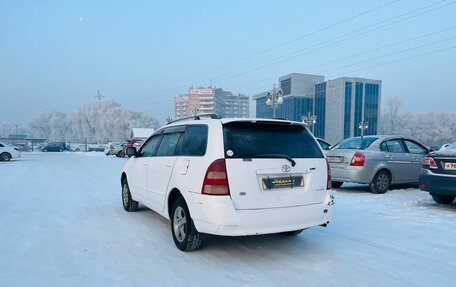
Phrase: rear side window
pixel 415 148
pixel 356 143
pixel 194 142
pixel 168 144
pixel 247 140
pixel 395 146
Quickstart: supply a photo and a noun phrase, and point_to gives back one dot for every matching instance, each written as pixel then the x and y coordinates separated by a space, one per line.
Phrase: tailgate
pixel 273 183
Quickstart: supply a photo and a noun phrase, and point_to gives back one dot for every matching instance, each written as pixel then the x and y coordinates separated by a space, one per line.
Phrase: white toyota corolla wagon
pixel 230 177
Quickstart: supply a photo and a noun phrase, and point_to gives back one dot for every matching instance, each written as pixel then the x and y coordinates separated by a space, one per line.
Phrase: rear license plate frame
pixel 335 159
pixel 281 182
pixel 449 165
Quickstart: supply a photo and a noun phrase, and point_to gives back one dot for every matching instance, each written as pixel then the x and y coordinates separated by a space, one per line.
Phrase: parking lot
pixel 62 224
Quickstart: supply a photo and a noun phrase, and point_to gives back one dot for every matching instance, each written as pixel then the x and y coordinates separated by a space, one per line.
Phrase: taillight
pixel 429 162
pixel 358 159
pixel 329 182
pixel 216 179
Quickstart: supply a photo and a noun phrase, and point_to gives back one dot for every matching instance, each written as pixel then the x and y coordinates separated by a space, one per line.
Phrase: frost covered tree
pixel 8 129
pixel 98 122
pixel 50 124
pixel 105 121
pixel 431 128
pixel 391 117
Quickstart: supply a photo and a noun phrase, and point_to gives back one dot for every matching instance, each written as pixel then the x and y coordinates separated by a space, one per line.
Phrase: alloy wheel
pixel 179 224
pixel 382 181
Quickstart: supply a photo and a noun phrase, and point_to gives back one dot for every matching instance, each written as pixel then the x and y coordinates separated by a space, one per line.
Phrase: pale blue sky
pixel 57 54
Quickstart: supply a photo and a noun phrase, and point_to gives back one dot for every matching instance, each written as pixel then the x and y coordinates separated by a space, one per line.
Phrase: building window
pixel 347 109
pixel 285 85
pixel 371 99
pixel 358 108
pixel 320 109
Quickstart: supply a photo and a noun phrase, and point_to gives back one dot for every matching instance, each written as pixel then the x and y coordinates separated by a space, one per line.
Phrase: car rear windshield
pixel 257 139
pixel 356 143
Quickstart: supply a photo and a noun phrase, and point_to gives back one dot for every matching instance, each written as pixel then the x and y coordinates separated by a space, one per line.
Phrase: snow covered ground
pixel 62 224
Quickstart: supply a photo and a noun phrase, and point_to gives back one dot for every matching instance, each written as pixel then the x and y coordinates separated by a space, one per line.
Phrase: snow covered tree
pixel 105 121
pixel 99 122
pixel 391 115
pixel 50 124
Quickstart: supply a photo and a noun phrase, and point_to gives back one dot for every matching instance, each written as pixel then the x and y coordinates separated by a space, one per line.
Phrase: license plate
pixel 450 165
pixel 335 159
pixel 282 182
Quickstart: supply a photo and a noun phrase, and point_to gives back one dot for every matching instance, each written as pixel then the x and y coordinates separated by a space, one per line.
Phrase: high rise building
pixel 211 100
pixel 349 103
pixel 181 108
pixel 298 95
pixel 339 105
pixel 228 105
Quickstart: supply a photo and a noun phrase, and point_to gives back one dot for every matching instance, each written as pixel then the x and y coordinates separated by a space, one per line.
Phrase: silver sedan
pixel 376 160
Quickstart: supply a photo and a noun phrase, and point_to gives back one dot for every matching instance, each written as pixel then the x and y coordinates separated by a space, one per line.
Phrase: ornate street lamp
pixel 310 121
pixel 363 125
pixel 274 99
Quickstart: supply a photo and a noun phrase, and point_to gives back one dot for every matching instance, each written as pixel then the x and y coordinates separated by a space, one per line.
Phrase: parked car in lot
pixel 54 146
pixel 8 152
pixel 132 143
pixel 438 174
pixel 230 177
pixel 112 148
pixel 376 160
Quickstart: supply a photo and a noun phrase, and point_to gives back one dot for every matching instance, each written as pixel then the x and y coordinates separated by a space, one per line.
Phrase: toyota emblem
pixel 286 168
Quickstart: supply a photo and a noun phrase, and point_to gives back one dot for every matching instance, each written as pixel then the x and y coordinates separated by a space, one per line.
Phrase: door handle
pixel 168 165
pixel 390 157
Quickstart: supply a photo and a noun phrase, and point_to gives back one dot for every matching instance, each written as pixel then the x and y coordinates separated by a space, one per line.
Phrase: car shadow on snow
pixel 281 243
pixel 278 242
pixel 364 188
pixel 429 203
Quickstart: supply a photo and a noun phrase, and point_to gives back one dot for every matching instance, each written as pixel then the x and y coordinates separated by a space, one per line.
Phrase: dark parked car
pixel 438 174
pixel 54 146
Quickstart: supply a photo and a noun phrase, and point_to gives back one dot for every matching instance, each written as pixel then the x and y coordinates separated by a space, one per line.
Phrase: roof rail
pixel 196 117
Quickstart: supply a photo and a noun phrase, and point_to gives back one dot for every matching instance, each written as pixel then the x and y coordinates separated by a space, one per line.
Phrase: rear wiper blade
pixel 271 155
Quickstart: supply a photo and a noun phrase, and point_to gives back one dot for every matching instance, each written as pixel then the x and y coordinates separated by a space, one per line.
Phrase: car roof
pixel 212 118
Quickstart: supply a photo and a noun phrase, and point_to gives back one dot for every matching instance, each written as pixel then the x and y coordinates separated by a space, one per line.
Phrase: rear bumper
pixel 436 183
pixel 351 174
pixel 216 215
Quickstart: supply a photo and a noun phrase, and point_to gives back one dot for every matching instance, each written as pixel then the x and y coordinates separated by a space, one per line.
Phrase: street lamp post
pixel 363 125
pixel 310 120
pixel 274 99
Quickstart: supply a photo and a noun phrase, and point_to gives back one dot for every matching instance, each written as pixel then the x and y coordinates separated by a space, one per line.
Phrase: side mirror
pixel 131 151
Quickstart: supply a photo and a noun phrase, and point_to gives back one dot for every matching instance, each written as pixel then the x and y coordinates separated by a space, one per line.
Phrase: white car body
pixel 249 209
pixel 8 152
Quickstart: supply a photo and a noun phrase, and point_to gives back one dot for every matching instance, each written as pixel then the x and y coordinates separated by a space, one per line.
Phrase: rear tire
pixel 442 199
pixel 5 156
pixel 337 184
pixel 185 235
pixel 128 203
pixel 381 182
